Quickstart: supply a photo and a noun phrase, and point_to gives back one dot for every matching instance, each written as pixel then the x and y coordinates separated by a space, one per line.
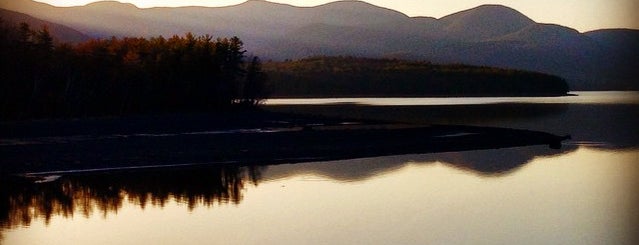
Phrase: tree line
pixel 355 77
pixel 122 76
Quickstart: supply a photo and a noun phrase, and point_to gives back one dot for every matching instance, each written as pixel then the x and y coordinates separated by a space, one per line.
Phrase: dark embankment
pixel 270 139
pixel 360 77
pixel 612 125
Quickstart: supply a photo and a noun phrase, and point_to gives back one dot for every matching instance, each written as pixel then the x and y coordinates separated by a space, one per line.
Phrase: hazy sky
pixel 583 15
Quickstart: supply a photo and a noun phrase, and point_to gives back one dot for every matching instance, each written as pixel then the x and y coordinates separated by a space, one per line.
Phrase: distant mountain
pixel 484 22
pixel 490 35
pixel 60 33
pixel 616 38
pixel 620 61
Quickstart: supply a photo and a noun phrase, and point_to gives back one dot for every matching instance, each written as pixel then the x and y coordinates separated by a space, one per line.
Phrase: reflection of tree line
pixel 23 201
pixel 86 194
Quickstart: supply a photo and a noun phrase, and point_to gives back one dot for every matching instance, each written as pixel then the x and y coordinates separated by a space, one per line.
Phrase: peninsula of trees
pixel 122 76
pixel 363 77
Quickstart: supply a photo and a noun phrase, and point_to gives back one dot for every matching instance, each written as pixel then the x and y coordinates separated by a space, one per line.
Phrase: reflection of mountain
pixel 22 201
pixel 489 35
pixel 494 162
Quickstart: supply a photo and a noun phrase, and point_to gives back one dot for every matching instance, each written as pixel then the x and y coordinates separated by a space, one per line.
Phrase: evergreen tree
pixel 119 76
pixel 254 85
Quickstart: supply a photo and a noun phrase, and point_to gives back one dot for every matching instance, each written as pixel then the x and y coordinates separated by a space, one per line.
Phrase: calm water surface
pixel 582 97
pixel 584 193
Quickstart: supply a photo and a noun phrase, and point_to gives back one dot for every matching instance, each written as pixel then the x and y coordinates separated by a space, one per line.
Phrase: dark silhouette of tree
pixel 43 39
pixel 24 33
pixel 118 76
pixel 254 90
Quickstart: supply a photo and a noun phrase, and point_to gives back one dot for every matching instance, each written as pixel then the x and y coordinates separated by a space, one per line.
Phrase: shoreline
pixel 263 138
pixel 339 96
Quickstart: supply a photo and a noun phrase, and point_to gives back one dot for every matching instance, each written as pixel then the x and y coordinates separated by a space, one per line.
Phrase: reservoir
pixel 584 193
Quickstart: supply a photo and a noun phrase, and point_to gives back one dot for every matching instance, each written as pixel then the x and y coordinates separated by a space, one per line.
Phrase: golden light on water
pixel 583 197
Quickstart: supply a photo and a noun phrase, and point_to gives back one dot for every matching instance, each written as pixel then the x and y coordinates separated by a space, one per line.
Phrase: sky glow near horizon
pixel 583 15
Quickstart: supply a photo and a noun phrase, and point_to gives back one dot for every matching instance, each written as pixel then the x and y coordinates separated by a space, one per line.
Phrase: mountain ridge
pixel 493 35
pixel 484 21
pixel 59 33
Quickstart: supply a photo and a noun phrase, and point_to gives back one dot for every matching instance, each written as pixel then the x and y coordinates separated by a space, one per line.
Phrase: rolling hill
pixel 488 35
pixel 60 33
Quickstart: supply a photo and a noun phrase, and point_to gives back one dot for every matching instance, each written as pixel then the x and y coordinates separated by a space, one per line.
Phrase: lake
pixel 584 193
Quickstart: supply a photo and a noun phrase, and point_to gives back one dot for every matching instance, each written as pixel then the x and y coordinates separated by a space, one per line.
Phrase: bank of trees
pixel 357 77
pixel 121 76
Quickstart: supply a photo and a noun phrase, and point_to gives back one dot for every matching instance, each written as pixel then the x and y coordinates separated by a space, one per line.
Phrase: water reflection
pixel 605 126
pixel 583 193
pixel 24 201
pixel 495 162
pixel 580 97
pixel 104 193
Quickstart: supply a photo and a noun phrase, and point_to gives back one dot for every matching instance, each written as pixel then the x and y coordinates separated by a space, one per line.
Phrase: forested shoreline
pixel 123 76
pixel 366 77
pixel 194 74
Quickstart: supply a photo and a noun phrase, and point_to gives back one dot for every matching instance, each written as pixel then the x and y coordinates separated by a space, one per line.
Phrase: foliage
pixel 120 76
pixel 349 76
